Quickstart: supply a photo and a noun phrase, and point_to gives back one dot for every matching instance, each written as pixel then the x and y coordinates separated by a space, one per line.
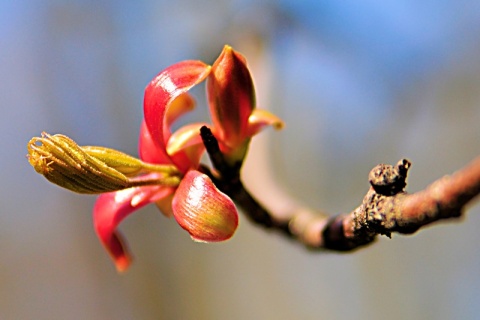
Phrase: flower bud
pixel 91 170
pixel 231 97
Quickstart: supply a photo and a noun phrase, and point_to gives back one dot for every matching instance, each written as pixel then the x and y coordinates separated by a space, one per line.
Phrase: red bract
pixel 197 205
pixel 231 101
pixel 231 97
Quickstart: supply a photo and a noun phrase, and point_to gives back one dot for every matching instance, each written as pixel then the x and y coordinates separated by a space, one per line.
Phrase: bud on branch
pixel 93 169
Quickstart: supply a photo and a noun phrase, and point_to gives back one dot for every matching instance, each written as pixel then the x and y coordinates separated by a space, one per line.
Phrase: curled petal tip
pixel 109 211
pixel 117 250
pixel 122 264
pixel 259 119
pixel 167 86
pixel 201 209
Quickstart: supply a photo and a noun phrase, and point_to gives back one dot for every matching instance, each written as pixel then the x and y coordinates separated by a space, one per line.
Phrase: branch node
pixel 227 171
pixel 389 180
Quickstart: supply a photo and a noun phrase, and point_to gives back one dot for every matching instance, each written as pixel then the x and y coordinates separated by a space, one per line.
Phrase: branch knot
pixel 389 180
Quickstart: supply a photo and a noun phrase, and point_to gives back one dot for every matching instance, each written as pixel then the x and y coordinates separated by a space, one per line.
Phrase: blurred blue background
pixel 358 83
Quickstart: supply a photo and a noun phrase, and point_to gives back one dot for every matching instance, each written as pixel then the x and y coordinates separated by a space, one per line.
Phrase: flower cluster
pixel 168 173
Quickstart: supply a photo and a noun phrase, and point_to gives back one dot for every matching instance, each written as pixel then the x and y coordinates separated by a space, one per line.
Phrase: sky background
pixel 357 83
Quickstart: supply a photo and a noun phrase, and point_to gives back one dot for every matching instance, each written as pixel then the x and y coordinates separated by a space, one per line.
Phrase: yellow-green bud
pixel 92 169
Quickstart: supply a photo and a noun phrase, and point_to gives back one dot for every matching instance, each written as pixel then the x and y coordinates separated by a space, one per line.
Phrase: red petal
pixel 150 151
pixel 205 212
pixel 231 97
pixel 164 88
pixel 111 208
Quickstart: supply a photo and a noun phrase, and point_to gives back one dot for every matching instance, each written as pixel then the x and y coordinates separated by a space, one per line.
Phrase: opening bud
pixel 93 169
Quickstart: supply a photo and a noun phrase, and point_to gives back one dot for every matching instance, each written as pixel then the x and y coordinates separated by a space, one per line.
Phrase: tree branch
pixel 386 208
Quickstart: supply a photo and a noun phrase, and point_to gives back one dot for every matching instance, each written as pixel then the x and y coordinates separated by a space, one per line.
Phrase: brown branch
pixel 386 208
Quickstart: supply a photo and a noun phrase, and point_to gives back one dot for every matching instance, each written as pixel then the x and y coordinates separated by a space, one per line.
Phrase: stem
pixel 164 181
pixel 386 207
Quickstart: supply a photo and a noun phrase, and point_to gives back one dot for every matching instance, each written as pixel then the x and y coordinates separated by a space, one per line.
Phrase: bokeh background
pixel 357 82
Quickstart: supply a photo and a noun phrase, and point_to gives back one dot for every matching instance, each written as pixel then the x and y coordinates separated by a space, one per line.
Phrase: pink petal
pixel 164 89
pixel 259 119
pixel 111 208
pixel 205 212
